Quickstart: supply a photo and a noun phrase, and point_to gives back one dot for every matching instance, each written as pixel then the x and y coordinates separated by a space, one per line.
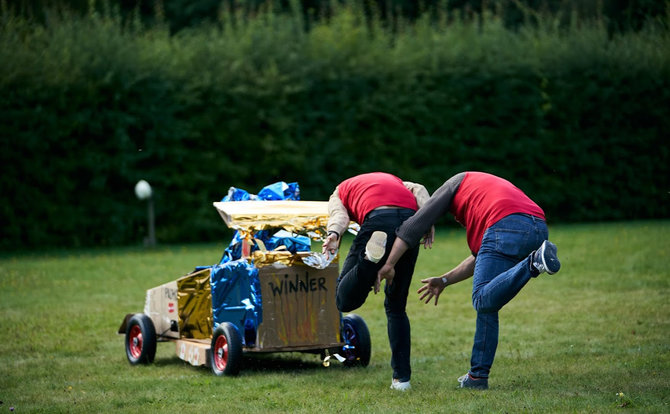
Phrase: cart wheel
pixel 356 335
pixel 225 357
pixel 140 340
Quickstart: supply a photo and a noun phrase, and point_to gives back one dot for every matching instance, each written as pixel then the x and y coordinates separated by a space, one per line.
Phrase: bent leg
pixel 495 294
pixel 501 270
pixel 358 274
pixel 502 267
pixel 355 283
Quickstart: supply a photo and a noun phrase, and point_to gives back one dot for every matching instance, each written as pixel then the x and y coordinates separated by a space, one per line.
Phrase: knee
pixel 395 309
pixel 342 306
pixel 396 314
pixel 482 306
pixel 347 304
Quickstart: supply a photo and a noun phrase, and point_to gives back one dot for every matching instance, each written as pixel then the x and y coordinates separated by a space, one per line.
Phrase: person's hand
pixel 428 238
pixel 330 244
pixel 432 287
pixel 386 272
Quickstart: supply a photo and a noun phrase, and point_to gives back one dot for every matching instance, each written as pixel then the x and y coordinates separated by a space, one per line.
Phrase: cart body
pixel 263 301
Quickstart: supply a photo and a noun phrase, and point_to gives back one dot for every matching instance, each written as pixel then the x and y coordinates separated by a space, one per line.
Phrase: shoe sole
pixel 376 246
pixel 549 257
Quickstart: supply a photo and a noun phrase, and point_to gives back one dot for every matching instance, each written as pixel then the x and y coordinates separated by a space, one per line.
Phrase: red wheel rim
pixel 221 353
pixel 135 341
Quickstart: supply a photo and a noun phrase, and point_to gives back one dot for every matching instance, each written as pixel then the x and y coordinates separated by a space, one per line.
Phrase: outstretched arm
pixel 388 270
pixel 421 224
pixel 433 286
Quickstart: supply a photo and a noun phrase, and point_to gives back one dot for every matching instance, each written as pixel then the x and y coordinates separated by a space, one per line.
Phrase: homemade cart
pixel 262 297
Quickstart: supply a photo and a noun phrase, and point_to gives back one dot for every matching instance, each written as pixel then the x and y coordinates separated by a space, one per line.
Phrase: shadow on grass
pixel 275 362
pixel 281 361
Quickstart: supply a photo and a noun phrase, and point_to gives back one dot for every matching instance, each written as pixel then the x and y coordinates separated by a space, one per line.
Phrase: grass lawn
pixel 570 342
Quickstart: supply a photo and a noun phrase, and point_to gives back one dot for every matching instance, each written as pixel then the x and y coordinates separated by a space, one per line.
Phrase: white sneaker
pixel 376 247
pixel 400 386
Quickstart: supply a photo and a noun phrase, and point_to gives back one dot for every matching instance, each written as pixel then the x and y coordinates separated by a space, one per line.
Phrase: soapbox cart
pixel 267 300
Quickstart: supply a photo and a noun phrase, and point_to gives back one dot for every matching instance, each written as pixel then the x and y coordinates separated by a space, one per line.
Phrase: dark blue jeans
pixel 359 275
pixel 502 269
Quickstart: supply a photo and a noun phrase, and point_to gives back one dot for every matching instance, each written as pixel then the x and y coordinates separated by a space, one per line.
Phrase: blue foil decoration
pixel 236 292
pixel 280 191
pixel 236 297
pixel 277 191
pixel 293 244
pixel 236 194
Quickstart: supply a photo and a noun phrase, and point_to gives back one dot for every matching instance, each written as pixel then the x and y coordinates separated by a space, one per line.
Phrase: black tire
pixel 140 340
pixel 356 336
pixel 225 356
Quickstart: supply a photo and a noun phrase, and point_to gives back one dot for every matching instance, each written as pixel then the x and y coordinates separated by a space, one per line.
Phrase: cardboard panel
pixel 194 352
pixel 161 306
pixel 298 307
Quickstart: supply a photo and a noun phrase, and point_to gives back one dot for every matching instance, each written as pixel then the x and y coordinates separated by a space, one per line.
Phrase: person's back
pixel 482 199
pixel 363 193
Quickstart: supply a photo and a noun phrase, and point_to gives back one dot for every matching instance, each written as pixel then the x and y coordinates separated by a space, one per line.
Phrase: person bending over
pixel 508 237
pixel 379 202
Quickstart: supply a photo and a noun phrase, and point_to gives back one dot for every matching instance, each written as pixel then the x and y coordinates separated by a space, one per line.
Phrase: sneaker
pixel 545 258
pixel 468 381
pixel 400 386
pixel 376 247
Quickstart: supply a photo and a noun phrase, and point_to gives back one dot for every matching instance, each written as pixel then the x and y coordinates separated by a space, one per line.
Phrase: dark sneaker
pixel 468 381
pixel 545 258
pixel 376 247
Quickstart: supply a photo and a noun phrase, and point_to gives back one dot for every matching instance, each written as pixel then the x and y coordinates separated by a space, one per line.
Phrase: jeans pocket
pixel 512 242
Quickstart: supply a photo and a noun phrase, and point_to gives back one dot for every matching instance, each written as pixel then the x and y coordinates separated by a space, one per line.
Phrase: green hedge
pixel 89 107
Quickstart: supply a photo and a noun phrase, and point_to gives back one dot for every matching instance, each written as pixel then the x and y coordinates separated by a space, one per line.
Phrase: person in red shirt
pixel 379 202
pixel 508 237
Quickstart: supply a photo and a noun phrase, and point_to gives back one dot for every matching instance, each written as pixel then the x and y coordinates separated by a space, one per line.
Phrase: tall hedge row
pixel 89 106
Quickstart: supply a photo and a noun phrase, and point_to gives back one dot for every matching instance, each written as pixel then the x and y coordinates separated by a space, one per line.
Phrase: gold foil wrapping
pixel 262 258
pixel 194 296
pixel 266 258
pixel 295 216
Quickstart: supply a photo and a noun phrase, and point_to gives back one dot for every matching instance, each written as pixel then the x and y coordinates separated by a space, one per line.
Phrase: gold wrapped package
pixel 295 216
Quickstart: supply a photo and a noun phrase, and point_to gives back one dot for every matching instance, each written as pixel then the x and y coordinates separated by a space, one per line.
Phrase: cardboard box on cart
pixel 299 310
pixel 298 304
pixel 298 301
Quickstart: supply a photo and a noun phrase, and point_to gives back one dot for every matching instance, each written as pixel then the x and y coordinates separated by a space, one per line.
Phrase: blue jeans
pixel 502 269
pixel 359 275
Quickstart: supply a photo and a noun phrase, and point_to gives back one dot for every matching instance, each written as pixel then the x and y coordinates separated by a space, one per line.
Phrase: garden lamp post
pixel 143 192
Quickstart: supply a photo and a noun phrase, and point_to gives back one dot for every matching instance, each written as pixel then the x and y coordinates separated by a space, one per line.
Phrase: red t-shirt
pixel 363 193
pixel 482 199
